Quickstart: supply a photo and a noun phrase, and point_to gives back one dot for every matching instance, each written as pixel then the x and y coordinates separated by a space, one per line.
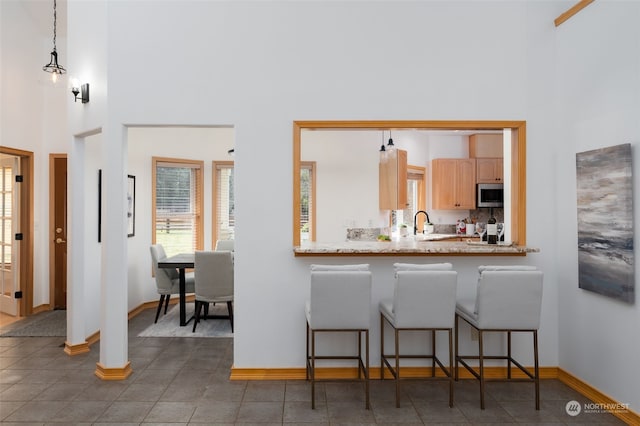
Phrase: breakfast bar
pixel 411 247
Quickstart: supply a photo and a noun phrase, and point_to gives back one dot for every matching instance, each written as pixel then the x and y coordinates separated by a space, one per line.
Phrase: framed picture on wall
pixel 131 205
pixel 99 205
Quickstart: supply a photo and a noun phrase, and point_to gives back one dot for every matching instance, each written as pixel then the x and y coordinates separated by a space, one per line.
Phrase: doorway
pixel 58 230
pixel 16 238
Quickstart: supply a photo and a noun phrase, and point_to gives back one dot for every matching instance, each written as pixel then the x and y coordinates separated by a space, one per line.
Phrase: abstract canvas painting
pixel 605 222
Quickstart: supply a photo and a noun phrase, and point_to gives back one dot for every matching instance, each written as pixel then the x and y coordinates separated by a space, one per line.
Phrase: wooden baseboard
pixel 339 373
pixel 72 350
pixel 41 308
pixel 620 410
pixel 95 337
pixel 605 403
pixel 120 373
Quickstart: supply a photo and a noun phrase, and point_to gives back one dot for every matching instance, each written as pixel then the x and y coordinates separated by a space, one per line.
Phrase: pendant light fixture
pixel 382 148
pixel 53 67
pixel 390 145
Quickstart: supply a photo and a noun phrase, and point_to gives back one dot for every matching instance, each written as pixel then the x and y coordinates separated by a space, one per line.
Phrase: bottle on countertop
pixel 492 231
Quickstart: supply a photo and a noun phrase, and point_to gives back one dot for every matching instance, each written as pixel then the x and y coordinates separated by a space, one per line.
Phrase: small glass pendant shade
pixel 390 144
pixel 53 66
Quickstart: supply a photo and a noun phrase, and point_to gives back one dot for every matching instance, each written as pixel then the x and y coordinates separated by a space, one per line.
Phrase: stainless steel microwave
pixel 490 195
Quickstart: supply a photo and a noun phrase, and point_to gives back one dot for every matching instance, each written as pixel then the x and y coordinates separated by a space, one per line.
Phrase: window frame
pixel 198 166
pixel 215 208
pixel 518 159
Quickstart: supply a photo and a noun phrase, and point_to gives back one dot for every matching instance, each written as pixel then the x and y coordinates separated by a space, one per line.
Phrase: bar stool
pixel 424 300
pixel 508 300
pixel 340 302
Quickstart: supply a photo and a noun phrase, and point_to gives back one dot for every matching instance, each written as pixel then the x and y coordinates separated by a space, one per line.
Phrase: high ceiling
pixel 41 12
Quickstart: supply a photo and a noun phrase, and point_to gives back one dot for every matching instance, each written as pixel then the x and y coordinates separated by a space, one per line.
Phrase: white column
pixel 114 285
pixel 75 247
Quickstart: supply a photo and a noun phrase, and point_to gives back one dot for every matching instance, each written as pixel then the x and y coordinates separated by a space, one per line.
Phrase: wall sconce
pixel 83 91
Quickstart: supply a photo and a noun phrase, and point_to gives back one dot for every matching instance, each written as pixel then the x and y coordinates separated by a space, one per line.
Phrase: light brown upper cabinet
pixel 454 183
pixel 486 145
pixel 393 180
pixel 489 170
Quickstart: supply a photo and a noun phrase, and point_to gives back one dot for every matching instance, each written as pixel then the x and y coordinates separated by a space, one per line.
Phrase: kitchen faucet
pixel 415 220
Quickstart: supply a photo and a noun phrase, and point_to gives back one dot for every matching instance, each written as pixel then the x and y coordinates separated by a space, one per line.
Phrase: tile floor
pixel 185 382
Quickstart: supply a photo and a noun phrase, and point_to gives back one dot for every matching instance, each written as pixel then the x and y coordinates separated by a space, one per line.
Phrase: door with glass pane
pixel 9 201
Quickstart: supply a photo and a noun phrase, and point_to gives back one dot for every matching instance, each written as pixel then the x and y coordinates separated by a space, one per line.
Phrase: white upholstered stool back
pixel 424 299
pixel 509 300
pixel 340 300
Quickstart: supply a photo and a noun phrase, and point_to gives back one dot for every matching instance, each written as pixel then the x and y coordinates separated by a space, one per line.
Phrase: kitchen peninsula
pixel 411 247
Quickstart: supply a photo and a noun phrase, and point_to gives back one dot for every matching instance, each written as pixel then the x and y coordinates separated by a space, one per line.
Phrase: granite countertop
pixel 411 247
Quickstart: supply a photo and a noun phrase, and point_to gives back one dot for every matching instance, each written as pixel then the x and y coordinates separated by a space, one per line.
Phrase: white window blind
pixel 224 201
pixel 178 204
pixel 307 201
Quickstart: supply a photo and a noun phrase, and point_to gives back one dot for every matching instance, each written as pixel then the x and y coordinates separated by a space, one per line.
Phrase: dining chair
pixel 224 245
pixel 424 300
pixel 213 282
pixel 167 279
pixel 508 300
pixel 340 302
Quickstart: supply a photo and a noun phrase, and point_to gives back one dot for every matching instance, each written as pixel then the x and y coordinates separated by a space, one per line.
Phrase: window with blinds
pixel 224 208
pixel 177 205
pixel 307 200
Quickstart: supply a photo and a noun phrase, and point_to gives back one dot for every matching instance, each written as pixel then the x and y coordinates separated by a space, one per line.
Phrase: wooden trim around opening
pixel 571 12
pixel 518 171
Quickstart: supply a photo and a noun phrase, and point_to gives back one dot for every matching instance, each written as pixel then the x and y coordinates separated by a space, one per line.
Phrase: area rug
pixel 43 324
pixel 169 325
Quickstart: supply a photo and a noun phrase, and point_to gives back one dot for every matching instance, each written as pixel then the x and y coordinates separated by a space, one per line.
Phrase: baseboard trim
pixel 339 373
pixel 73 350
pixel 41 308
pixel 105 373
pixel 626 415
pixel 95 337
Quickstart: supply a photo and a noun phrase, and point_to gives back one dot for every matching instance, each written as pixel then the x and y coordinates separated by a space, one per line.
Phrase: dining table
pixel 181 262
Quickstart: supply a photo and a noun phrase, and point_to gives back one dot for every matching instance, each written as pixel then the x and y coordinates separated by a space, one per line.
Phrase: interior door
pixel 9 234
pixel 59 209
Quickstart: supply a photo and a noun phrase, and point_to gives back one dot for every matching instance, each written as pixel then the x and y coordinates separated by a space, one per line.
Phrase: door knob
pixel 60 240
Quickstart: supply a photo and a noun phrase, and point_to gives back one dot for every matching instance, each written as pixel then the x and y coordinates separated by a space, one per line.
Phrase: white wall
pixel 346 181
pixel 32 115
pixel 598 81
pixel 237 67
